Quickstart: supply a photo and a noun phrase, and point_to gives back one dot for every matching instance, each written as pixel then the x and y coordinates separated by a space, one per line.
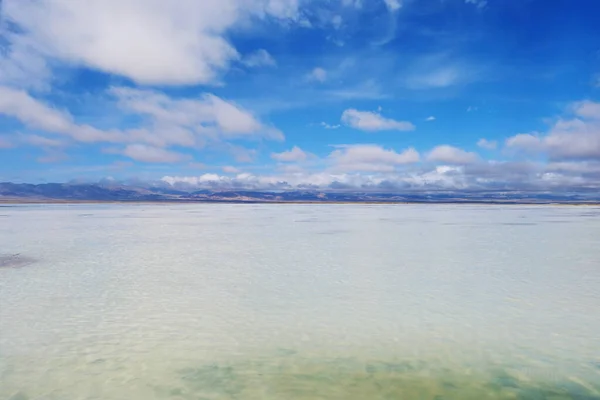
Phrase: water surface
pixel 341 302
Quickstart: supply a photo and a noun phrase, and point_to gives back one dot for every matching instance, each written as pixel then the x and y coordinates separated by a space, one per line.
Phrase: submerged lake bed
pixel 259 301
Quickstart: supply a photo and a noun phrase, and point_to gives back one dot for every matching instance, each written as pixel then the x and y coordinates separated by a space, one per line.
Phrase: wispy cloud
pixel 368 90
pixel 150 154
pixel 439 77
pixel 328 126
pixel 241 154
pixel 6 144
pixel 42 141
pixel 487 144
pixel 228 169
pixel 260 58
pixel 451 155
pixel 52 156
pixel 393 5
pixel 317 75
pixel 372 121
pixel 477 3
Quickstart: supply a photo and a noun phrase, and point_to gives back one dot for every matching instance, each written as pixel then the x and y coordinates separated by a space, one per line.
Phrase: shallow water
pixel 300 302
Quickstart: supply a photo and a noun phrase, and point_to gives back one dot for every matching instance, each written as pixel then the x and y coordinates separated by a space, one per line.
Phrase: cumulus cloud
pixel 451 155
pixel 148 41
pixel 573 137
pixel 429 119
pixel 487 144
pixel 296 154
pixel 373 121
pixel 587 109
pixel 318 75
pixel 260 58
pixel 149 154
pixel 525 141
pixel 483 175
pixel 370 157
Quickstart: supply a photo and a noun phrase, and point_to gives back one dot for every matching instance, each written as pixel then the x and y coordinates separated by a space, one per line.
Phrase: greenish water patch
pixel 294 378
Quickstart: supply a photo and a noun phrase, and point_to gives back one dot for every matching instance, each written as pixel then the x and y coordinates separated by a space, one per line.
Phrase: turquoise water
pixel 299 302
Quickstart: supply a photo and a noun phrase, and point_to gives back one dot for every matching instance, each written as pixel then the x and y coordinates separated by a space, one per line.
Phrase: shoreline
pixel 5 202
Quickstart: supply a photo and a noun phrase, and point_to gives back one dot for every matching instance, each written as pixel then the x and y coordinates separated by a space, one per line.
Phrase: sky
pixel 296 94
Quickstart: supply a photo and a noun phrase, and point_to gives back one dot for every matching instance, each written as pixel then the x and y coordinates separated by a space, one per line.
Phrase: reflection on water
pixel 241 302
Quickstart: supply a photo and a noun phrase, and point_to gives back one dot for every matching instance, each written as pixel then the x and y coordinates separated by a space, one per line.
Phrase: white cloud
pixel 150 154
pixel 208 116
pixel 35 114
pixel 487 144
pixel 42 141
pixel 327 126
pixel 451 155
pixel 370 158
pixel 587 109
pixel 393 5
pixel 296 154
pixel 572 137
pixel 318 74
pixel 228 169
pixel 373 121
pixel 148 41
pixel 260 58
pixel 21 65
pixel 429 119
pixel 525 141
pixel 483 175
pixel 182 122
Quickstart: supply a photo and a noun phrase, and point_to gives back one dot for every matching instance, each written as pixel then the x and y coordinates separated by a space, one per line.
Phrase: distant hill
pixel 78 192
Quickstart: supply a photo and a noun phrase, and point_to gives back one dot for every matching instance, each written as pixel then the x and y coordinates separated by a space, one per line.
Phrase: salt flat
pixel 221 301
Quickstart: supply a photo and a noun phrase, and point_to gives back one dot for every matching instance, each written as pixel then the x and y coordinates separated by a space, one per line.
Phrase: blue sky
pixel 404 94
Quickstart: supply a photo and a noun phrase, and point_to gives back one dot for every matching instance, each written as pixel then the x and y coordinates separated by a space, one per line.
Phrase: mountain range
pixel 113 192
